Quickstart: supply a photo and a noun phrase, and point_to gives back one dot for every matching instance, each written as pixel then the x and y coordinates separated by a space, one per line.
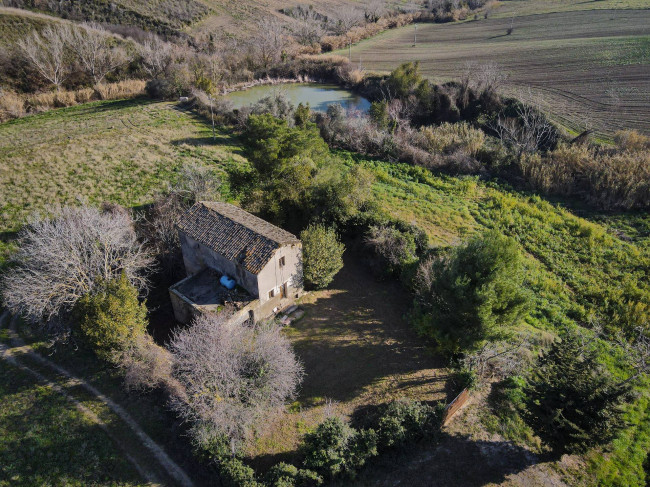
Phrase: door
pixel 283 290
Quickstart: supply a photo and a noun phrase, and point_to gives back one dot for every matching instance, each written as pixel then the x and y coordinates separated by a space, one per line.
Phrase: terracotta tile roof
pixel 234 233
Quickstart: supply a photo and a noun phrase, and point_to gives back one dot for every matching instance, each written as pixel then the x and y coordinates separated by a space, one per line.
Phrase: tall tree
pixel 573 403
pixel 96 51
pixel 474 294
pixel 49 53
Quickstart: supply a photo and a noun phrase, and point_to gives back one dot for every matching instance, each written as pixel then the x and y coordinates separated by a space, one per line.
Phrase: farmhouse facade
pixel 218 239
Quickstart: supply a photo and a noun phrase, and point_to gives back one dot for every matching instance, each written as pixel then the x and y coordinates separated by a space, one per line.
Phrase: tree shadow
pixel 356 335
pixel 454 460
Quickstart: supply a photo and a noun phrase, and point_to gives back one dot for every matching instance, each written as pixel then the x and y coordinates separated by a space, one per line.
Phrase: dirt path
pixel 19 347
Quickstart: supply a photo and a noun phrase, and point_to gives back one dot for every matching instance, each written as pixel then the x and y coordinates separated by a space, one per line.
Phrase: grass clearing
pixel 358 351
pixel 588 68
pixel 44 440
pixel 121 151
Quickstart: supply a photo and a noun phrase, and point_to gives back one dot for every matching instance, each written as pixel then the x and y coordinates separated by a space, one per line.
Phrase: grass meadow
pixel 118 151
pixel 589 69
pixel 44 440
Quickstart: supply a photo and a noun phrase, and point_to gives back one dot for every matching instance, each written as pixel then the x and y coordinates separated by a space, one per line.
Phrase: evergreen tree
pixel 475 294
pixel 111 316
pixel 322 254
pixel 572 403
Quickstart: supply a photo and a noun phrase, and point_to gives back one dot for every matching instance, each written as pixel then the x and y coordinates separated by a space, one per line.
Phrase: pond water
pixel 318 96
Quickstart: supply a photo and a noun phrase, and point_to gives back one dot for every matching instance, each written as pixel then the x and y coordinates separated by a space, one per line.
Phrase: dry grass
pixel 12 105
pixel 118 151
pixel 15 106
pixel 588 67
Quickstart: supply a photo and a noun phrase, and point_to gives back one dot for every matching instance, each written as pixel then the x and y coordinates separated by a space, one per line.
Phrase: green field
pixel 44 440
pixel 587 68
pixel 119 151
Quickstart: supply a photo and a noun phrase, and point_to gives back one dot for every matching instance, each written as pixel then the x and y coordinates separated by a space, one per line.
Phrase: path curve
pixel 171 467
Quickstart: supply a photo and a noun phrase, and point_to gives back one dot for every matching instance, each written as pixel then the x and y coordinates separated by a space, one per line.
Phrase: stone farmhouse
pixel 219 239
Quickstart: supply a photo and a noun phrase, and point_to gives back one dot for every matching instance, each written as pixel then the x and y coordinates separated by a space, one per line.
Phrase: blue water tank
pixel 227 282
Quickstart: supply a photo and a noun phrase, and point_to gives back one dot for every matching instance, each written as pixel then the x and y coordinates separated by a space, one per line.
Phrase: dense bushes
pixel 322 255
pixel 110 317
pixel 405 422
pixel 335 448
pixel 473 294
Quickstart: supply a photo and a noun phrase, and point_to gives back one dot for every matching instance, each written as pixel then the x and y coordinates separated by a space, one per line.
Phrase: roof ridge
pixel 233 212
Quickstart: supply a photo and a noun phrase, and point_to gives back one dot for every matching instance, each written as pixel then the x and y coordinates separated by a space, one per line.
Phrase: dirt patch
pixel 358 351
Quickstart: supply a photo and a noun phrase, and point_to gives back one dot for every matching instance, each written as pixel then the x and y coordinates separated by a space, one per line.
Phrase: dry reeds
pixel 13 105
pixel 122 89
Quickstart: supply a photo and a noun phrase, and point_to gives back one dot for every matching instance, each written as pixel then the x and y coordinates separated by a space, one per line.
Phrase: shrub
pixel 110 317
pixel 161 88
pixel 235 473
pixel 474 294
pixel 394 248
pixel 337 449
pixel 322 255
pixel 404 422
pixel 404 79
pixel 572 403
pixel 450 137
pixel 286 475
pixel 146 365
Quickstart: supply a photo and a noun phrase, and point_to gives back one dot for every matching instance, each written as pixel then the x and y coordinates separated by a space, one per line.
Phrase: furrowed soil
pixel 589 69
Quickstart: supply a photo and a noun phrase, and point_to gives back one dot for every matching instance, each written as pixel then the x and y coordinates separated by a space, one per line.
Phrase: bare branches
pixel 528 131
pixel 95 52
pixel 156 56
pixel 62 258
pixel 347 17
pixel 270 42
pixel 234 375
pixel 48 52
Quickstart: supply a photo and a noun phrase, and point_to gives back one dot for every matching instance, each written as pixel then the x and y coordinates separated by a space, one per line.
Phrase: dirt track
pixel 173 474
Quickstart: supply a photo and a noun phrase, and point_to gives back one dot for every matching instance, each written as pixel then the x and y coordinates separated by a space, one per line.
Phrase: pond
pixel 318 96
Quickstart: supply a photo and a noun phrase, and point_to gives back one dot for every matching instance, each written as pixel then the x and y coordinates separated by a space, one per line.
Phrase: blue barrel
pixel 227 282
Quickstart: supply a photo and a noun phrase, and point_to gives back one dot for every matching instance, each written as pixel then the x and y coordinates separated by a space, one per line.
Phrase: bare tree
pixel 270 41
pixel 490 77
pixel 309 30
pixel 374 10
pixel 346 18
pixel 95 51
pixel 527 131
pixel 234 376
pixel 48 52
pixel 156 56
pixel 60 259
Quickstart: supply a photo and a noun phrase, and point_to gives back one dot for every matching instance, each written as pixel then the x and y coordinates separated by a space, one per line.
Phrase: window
pixel 281 261
pixel 271 293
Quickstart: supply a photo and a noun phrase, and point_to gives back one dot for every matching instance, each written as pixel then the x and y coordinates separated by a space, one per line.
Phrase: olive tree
pixel 233 375
pixel 63 257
